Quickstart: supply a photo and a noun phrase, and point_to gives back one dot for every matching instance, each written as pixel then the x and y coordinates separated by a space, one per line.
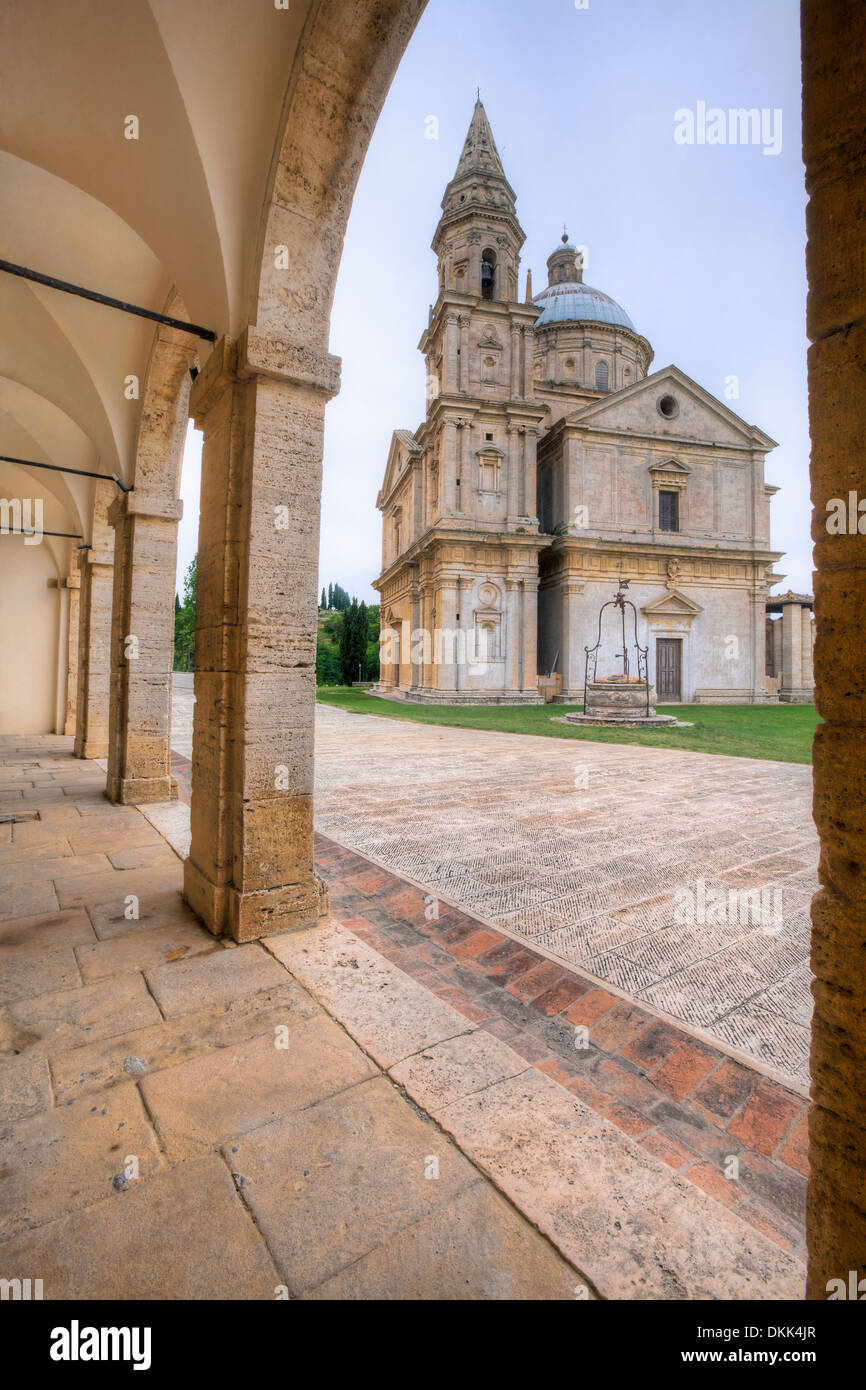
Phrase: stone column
pixel 452 361
pixel 416 665
pixel 792 665
pixel 528 352
pixel 515 361
pixel 529 505
pixel 808 678
pixel 777 646
pixel 73 584
pixel 512 636
pixel 94 631
pixel 464 354
pixel 448 499
pixel 834 150
pixel 572 657
pixel 529 625
pixel 445 648
pixel 513 465
pixel 261 404
pixel 759 646
pixel 145 549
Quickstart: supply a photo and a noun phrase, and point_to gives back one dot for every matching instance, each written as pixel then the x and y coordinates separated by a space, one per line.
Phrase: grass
pixel 779 732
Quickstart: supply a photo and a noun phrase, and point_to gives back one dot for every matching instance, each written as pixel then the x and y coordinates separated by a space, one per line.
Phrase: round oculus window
pixel 668 407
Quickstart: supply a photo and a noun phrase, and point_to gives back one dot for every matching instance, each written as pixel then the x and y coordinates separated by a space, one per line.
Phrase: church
pixel 553 465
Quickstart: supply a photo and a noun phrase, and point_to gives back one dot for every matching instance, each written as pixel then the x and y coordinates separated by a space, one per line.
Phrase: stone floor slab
pixel 172 1041
pixel 636 1228
pixel 70 1157
pixel 477 1249
pixel 49 932
pixel 143 949
pixel 330 1184
pixel 390 1015
pixel 212 980
pixel 243 1087
pixel 180 1235
pixel 72 1017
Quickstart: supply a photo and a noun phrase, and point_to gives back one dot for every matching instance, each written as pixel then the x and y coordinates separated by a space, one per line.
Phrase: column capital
pixel 260 354
pixel 72 581
pixel 145 504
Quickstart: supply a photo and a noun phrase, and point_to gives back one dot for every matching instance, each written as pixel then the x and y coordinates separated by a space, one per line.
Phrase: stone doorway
pixel 669 668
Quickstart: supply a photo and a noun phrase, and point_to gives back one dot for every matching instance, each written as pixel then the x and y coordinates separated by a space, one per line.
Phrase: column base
pixel 801 695
pixel 250 916
pixel 91 749
pixel 140 791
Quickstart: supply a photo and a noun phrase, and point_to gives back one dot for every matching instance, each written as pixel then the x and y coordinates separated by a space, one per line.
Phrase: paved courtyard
pixel 181 1117
pixel 581 848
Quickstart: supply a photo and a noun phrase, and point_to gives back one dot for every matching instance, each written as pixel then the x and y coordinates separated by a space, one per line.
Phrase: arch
pixel 351 50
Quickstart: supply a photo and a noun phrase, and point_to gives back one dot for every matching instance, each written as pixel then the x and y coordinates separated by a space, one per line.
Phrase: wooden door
pixel 669 669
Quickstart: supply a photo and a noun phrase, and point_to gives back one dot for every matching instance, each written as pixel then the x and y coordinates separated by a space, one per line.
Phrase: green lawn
pixel 781 732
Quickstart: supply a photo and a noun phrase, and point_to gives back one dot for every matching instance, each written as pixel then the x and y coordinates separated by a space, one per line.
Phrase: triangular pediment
pixel 698 415
pixel 670 466
pixel 404 445
pixel 674 604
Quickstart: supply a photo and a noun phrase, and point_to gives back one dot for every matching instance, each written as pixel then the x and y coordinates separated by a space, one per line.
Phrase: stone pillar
pixel 448 498
pixel 261 404
pixel 529 628
pixel 529 504
pixel 513 464
pixel 452 361
pixel 464 467
pixel 528 351
pixel 808 677
pixel 465 386
pixel 777 647
pixel 834 149
pixel 445 644
pixel 515 361
pixel 73 584
pixel 145 549
pixel 512 636
pixel 791 637
pixel 571 654
pixel 415 654
pixel 94 631
pixel 759 646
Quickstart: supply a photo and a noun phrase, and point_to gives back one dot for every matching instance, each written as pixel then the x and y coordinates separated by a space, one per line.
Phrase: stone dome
pixel 571 301
pixel 568 300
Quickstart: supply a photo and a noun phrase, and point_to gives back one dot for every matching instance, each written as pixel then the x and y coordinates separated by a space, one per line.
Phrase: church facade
pixel 552 465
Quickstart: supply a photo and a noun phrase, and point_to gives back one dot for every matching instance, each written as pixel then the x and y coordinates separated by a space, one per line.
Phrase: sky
pixel 703 244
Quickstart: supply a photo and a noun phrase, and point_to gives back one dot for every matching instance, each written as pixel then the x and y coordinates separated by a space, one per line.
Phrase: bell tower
pixel 478 239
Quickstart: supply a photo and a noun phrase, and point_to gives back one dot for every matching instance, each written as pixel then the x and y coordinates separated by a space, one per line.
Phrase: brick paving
pixel 688 1103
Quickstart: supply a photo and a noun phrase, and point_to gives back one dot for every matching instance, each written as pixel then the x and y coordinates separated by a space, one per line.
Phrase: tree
pixel 324 600
pixel 330 596
pixel 348 644
pixel 184 620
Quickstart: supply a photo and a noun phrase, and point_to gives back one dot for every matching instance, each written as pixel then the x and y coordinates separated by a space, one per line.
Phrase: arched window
pixel 488 273
pixel 602 377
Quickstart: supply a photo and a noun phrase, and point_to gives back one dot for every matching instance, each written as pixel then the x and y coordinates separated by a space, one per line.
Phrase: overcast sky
pixel 702 244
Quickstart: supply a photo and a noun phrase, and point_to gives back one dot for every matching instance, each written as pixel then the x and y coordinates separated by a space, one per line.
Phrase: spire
pixel 480 155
